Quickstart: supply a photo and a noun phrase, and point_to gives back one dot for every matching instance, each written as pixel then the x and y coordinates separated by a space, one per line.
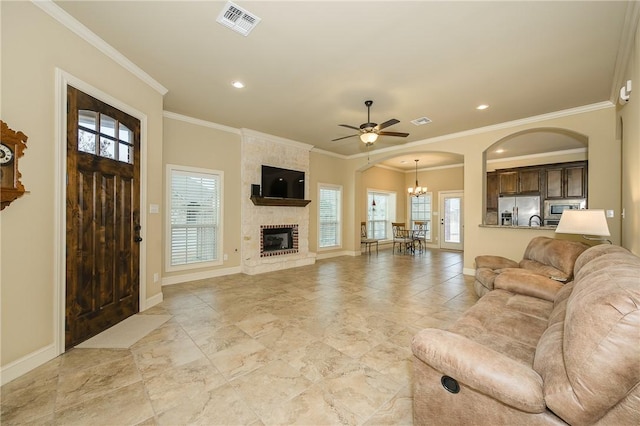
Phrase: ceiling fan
pixel 369 131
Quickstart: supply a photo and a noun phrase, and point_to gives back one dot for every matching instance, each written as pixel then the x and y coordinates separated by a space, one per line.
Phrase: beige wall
pixel 378 178
pixel 202 146
pixel 598 124
pixel 327 169
pixel 629 114
pixel 30 251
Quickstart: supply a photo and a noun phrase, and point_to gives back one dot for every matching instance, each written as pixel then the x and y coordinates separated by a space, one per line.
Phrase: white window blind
pixel 329 207
pixel 195 217
pixel 421 211
pixel 381 212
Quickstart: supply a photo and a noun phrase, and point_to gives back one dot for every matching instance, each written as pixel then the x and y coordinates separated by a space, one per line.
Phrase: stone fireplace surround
pixel 259 149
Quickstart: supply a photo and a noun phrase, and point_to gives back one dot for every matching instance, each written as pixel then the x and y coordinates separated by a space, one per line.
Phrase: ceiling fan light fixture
pixel 368 137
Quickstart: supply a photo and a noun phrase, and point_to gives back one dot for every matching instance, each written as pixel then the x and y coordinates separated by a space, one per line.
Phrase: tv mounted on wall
pixel 282 183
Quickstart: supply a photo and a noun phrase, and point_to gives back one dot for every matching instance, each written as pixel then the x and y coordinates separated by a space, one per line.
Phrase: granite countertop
pixel 540 228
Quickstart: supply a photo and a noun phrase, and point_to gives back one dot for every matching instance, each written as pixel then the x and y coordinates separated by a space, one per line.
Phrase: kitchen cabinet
pixel 517 182
pixel 566 180
pixel 508 183
pixel 492 191
pixel 529 181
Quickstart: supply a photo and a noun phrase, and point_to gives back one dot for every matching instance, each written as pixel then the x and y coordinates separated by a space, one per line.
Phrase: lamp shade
pixel 585 222
pixel 369 137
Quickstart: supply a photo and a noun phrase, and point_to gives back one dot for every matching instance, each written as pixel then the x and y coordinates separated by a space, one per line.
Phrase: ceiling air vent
pixel 420 121
pixel 238 19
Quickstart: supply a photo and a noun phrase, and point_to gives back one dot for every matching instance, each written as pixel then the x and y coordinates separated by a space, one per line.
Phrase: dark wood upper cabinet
pixel 529 181
pixel 566 180
pixel 576 182
pixel 553 181
pixel 508 182
pixel 492 191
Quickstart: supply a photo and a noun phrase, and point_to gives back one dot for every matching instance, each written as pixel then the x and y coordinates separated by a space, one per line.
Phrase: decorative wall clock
pixel 12 146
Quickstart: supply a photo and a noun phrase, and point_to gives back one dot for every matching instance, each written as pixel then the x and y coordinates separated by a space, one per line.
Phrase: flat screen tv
pixel 282 183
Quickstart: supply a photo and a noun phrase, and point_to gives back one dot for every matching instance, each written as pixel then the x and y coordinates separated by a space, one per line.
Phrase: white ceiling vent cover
pixel 420 121
pixel 238 19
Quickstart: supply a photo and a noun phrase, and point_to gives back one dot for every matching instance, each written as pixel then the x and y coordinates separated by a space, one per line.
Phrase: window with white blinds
pixel 329 211
pixel 421 211
pixel 195 217
pixel 381 212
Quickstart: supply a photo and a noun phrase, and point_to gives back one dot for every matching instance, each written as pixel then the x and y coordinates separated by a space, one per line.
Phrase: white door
pixel 451 220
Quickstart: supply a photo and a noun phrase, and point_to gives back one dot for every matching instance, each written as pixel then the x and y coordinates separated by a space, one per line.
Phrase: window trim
pixel 168 267
pixel 340 220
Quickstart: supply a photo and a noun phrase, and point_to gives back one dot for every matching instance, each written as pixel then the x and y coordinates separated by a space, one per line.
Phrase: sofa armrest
pixel 528 283
pixel 481 368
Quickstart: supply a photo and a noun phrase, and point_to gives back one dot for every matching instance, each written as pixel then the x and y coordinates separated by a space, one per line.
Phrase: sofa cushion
pixel 589 359
pixel 560 255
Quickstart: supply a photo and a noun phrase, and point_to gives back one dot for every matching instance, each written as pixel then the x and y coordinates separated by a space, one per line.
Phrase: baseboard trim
pixel 177 279
pixel 21 366
pixel 153 301
pixel 469 271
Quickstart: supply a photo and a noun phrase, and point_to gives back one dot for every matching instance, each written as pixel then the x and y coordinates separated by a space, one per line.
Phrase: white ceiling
pixel 309 66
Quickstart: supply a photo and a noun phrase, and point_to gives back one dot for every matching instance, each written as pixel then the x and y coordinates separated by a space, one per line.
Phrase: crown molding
pixel 540 155
pixel 71 23
pixel 500 126
pixel 331 154
pixel 199 122
pixel 625 48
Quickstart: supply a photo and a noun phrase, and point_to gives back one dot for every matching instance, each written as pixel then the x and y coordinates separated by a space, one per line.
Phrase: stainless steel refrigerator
pixel 519 211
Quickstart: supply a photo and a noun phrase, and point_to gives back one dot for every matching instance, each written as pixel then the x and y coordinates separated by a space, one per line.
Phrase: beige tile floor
pixel 322 344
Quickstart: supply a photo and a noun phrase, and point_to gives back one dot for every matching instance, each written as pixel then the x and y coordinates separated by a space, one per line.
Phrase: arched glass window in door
pixel 104 136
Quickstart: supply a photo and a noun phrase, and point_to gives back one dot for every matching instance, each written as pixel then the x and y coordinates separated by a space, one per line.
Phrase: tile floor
pixel 316 345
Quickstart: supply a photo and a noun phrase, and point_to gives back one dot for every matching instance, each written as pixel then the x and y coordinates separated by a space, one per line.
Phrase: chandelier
pixel 417 190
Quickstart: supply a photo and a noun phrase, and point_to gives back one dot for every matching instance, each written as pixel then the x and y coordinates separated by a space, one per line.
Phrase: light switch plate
pixel 154 208
pixel 609 213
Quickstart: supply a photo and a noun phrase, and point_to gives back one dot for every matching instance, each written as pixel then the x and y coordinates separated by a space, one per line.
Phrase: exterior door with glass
pixel 451 220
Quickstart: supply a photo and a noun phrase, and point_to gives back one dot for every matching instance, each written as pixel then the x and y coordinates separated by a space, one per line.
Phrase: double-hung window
pixel 380 213
pixel 195 217
pixel 421 211
pixel 329 212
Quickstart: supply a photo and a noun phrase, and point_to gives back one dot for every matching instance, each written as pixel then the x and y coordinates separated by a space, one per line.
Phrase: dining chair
pixel 364 240
pixel 402 237
pixel 419 235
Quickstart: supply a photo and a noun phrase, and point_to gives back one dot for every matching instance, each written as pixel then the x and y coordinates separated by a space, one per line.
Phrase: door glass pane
pixel 86 141
pixel 107 125
pixel 125 153
pixel 124 133
pixel 87 119
pixel 452 224
pixel 107 148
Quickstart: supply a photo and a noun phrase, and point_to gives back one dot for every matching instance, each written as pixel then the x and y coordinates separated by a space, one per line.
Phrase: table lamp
pixel 590 223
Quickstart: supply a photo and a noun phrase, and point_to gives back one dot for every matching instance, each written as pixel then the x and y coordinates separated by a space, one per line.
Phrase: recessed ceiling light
pixel 403 162
pixel 499 151
pixel 237 84
pixel 483 106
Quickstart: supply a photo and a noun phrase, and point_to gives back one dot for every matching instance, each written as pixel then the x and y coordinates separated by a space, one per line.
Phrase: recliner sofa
pixel 543 256
pixel 522 355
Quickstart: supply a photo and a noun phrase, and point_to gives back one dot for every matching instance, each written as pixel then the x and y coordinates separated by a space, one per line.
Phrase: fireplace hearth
pixel 276 240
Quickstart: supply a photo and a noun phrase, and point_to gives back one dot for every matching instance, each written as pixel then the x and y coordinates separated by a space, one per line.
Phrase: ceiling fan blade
pixel 350 127
pixel 344 137
pixel 387 124
pixel 400 134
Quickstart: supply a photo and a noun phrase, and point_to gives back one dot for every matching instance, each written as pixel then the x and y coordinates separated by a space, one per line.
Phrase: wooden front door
pixel 103 216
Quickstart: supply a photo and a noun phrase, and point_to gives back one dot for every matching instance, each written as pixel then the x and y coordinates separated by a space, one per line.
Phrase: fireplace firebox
pixel 277 240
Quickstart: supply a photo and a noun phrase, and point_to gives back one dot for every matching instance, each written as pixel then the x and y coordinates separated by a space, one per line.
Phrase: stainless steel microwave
pixel 553 208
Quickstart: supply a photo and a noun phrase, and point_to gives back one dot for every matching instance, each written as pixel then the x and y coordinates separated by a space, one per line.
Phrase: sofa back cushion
pixel 590 360
pixel 551 257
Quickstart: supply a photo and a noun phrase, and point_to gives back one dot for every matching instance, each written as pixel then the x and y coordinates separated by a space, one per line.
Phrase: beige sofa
pixel 543 256
pixel 523 355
